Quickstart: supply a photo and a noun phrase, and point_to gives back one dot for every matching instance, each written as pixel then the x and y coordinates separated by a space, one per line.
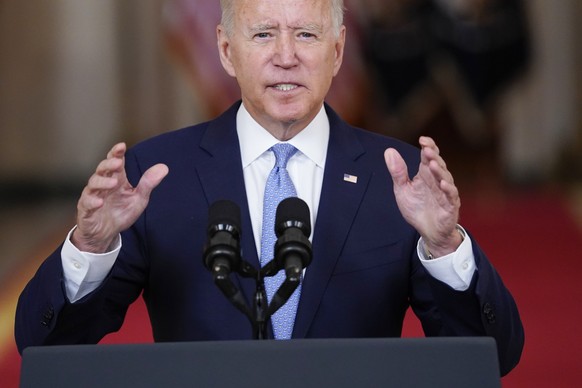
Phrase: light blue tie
pixel 279 186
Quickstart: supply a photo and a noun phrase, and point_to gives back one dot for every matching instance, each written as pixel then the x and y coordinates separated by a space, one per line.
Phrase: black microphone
pixel 222 251
pixel 293 227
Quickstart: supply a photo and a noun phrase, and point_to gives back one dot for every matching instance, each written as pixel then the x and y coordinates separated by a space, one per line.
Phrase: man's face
pixel 284 55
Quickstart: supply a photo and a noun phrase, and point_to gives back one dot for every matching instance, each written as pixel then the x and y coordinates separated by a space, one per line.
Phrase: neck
pixel 285 131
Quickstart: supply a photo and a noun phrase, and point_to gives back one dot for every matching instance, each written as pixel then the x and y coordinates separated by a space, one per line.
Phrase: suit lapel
pixel 221 177
pixel 339 203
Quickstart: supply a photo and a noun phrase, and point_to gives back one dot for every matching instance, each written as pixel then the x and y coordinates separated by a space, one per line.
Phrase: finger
pixel 428 142
pixel 452 195
pixel 89 202
pixel 430 151
pixel 97 189
pixel 450 190
pixel 99 183
pixel 396 166
pixel 446 193
pixel 110 166
pixel 429 170
pixel 117 151
pixel 440 173
pixel 115 161
pixel 429 154
pixel 431 157
pixel 151 179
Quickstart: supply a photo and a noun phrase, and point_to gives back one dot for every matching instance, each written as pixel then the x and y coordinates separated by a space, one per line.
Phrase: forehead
pixel 283 12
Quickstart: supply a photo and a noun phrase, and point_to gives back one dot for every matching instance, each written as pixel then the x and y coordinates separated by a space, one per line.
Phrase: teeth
pixel 285 87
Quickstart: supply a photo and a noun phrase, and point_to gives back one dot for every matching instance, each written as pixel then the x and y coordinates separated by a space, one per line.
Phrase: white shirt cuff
pixel 84 271
pixel 455 269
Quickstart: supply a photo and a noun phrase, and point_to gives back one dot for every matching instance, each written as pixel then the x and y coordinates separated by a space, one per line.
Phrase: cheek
pixel 249 69
pixel 239 59
pixel 323 65
pixel 323 75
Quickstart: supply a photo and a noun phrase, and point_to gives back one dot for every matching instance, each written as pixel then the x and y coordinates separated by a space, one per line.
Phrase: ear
pixel 339 50
pixel 224 51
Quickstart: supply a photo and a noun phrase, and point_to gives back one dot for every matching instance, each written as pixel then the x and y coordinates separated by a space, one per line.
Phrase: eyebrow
pixel 268 26
pixel 262 27
pixel 310 27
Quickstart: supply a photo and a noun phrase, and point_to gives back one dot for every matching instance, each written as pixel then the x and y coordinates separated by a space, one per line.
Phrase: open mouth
pixel 285 87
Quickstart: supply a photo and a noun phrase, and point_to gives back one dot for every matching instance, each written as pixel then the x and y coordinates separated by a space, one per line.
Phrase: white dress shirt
pixel 305 167
pixel 84 271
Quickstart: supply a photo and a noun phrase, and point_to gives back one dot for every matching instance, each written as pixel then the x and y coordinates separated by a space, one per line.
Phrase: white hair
pixel 337 15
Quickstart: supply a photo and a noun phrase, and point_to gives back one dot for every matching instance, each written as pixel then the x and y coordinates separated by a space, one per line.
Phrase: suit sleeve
pixel 485 309
pixel 44 315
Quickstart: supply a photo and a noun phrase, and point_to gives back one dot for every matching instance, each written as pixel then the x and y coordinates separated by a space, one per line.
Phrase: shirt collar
pixel 255 140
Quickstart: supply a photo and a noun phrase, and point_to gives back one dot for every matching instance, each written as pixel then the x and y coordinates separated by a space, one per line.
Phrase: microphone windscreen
pixel 293 211
pixel 224 214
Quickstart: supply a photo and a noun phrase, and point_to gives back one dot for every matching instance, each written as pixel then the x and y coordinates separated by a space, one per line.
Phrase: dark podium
pixel 391 362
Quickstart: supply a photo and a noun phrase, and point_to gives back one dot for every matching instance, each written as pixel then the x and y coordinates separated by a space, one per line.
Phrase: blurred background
pixel 497 83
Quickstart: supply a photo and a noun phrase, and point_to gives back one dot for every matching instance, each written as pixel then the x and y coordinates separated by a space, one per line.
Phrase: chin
pixel 289 114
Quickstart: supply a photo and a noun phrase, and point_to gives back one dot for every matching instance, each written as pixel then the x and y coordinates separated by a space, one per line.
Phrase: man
pixel 367 214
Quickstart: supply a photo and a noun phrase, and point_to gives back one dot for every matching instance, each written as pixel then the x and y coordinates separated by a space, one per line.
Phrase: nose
pixel 285 52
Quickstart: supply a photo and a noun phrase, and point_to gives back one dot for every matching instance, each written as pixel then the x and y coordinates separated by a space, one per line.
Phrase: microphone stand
pixel 260 304
pixel 261 311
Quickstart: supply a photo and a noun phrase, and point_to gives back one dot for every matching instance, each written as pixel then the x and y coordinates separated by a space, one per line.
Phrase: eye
pixel 262 35
pixel 306 35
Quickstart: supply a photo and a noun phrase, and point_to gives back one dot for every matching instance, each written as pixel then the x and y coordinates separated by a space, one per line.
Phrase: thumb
pixel 396 166
pixel 151 179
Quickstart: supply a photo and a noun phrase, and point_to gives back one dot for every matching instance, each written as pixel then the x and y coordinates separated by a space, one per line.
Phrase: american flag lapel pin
pixel 350 178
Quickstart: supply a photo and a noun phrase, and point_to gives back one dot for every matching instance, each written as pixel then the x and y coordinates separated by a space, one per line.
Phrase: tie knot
pixel 283 152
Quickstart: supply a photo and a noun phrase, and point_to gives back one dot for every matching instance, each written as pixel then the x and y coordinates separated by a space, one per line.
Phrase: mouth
pixel 285 87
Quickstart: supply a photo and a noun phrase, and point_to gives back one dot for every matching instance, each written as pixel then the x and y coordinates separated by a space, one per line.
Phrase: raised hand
pixel 109 204
pixel 430 201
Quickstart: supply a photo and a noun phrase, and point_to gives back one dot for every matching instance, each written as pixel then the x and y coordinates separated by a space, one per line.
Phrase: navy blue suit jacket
pixel 364 275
